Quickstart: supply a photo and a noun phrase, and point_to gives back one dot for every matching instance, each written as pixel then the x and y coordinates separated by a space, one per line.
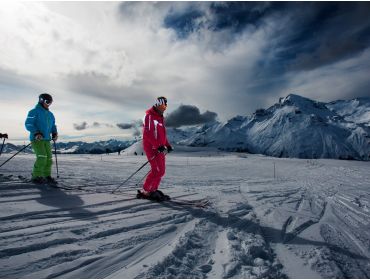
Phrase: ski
pixel 202 203
pixel 199 203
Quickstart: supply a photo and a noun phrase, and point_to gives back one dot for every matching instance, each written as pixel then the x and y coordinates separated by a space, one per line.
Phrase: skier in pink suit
pixel 155 143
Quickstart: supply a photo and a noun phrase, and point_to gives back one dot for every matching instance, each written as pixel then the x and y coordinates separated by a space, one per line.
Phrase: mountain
pixel 100 147
pixel 355 110
pixel 295 127
pixel 11 148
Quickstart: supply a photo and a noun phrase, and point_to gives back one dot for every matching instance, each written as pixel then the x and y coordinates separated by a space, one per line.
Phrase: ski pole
pixel 137 184
pixel 2 146
pixel 15 154
pixel 56 158
pixel 132 175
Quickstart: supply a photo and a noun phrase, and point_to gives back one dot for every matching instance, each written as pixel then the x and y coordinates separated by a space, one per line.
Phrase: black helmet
pixel 45 97
pixel 160 101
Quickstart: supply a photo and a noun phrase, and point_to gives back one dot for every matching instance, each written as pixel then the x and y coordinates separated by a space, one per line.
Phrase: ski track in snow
pixel 312 217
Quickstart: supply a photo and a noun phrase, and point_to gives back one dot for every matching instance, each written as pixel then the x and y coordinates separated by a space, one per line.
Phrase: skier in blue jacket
pixel 40 123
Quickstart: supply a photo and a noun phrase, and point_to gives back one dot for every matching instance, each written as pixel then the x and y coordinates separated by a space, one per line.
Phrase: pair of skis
pixel 197 203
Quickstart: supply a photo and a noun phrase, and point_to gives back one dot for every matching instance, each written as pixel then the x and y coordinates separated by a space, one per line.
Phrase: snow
pixel 134 148
pixel 309 219
pixel 355 110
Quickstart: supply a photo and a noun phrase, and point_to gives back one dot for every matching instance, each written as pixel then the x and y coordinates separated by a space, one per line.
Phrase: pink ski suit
pixel 154 135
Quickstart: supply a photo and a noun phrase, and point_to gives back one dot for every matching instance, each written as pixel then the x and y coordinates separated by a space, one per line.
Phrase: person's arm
pixel 54 131
pixel 168 145
pixel 149 131
pixel 31 123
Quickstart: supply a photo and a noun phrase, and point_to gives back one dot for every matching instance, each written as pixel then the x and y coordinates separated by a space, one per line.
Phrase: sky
pixel 105 63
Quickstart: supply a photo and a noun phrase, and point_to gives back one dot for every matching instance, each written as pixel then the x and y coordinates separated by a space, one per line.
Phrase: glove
pixel 169 148
pixel 38 136
pixel 161 149
pixel 54 136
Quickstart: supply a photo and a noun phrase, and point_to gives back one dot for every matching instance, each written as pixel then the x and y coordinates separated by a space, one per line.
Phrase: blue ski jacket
pixel 40 120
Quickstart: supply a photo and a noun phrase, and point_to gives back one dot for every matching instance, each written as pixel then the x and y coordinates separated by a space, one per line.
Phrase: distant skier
pixel 5 136
pixel 40 123
pixel 155 143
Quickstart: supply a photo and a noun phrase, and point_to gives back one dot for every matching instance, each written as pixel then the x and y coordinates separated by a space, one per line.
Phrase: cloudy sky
pixel 106 62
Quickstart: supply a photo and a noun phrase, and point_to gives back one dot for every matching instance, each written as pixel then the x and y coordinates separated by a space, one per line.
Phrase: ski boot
pixel 38 180
pixel 155 196
pixel 141 195
pixel 164 196
pixel 51 181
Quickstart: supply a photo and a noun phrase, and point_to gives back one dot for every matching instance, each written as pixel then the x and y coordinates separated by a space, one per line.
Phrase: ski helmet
pixel 161 101
pixel 45 98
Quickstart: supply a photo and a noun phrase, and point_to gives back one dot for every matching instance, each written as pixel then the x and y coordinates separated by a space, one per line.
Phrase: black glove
pixel 38 136
pixel 161 149
pixel 54 136
pixel 169 148
pixel 4 135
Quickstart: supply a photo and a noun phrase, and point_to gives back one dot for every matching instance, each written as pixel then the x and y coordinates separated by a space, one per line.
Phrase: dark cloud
pixel 125 125
pixel 85 125
pixel 135 126
pixel 97 124
pixel 308 34
pixel 81 126
pixel 236 16
pixel 189 115
pixel 218 16
pixel 321 33
pixel 184 23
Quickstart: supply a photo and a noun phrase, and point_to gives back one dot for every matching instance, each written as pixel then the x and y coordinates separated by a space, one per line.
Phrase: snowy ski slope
pixel 309 221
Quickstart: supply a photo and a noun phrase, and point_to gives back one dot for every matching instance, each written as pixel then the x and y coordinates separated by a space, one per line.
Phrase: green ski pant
pixel 42 166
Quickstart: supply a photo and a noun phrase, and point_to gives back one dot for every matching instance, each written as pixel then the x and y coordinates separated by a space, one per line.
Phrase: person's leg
pixel 49 159
pixel 41 158
pixel 161 169
pixel 151 175
pixel 157 171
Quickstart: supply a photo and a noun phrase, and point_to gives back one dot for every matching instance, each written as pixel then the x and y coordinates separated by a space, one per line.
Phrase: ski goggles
pixel 47 102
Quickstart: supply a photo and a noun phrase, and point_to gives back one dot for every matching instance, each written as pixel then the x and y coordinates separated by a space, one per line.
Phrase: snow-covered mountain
pixel 100 147
pixel 295 127
pixel 110 146
pixel 355 110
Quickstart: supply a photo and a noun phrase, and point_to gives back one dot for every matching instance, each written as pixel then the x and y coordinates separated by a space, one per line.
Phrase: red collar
pixel 154 111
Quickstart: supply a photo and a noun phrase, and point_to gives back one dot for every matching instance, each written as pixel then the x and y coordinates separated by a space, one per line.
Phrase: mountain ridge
pixel 295 126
